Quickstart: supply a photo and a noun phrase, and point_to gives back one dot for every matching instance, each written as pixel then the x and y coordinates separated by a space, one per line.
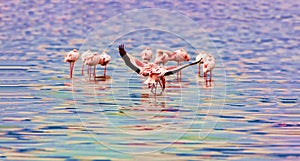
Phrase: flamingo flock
pixel 88 58
pixel 155 72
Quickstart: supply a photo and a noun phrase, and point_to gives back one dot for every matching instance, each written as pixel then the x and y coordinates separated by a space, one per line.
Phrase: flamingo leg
pixel 160 83
pixel 199 72
pixel 104 70
pixel 180 71
pixel 161 86
pixel 71 70
pixel 210 75
pixel 95 72
pixel 180 76
pixel 152 86
pixel 163 81
pixel 177 75
pixel 82 69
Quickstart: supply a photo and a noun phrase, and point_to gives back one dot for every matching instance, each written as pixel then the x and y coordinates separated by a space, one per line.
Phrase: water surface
pixel 45 115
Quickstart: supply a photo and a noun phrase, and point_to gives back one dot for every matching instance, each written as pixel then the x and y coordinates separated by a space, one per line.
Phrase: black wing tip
pixel 121 46
pixel 122 50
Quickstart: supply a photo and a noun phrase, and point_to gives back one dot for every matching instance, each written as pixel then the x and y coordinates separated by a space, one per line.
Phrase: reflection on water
pixel 46 116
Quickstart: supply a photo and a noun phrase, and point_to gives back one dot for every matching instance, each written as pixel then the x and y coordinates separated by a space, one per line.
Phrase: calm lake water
pixel 249 112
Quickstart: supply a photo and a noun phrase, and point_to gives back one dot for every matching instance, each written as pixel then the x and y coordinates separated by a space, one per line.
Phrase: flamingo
pixel 156 74
pixel 162 57
pixel 179 56
pixel 208 65
pixel 146 55
pixel 104 60
pixel 92 60
pixel 84 56
pixel 71 57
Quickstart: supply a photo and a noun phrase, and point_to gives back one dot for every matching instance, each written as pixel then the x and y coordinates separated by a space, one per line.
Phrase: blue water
pixel 249 112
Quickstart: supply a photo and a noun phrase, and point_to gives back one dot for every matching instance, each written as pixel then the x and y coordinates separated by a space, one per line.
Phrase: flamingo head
pixel 68 57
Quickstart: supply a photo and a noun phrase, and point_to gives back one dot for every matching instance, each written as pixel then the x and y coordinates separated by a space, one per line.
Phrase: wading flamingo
pixel 202 55
pixel 179 56
pixel 156 74
pixel 104 60
pixel 208 66
pixel 71 57
pixel 84 56
pixel 162 57
pixel 92 61
pixel 146 55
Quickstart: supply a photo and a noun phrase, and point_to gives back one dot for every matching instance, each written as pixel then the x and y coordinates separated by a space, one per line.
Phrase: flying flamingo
pixel 146 55
pixel 179 56
pixel 208 66
pixel 71 57
pixel 104 60
pixel 84 56
pixel 162 57
pixel 156 74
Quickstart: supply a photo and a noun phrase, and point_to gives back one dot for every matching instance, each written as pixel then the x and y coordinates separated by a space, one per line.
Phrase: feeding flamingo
pixel 156 74
pixel 179 56
pixel 71 57
pixel 84 56
pixel 92 61
pixel 146 55
pixel 95 59
pixel 208 65
pixel 104 60
pixel 162 57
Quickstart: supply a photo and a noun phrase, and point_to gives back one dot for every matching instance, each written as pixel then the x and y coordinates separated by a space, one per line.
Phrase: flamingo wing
pixel 130 61
pixel 173 70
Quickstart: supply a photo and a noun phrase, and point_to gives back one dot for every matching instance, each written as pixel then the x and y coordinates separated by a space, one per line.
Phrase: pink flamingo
pixel 208 65
pixel 146 55
pixel 84 56
pixel 95 59
pixel 104 60
pixel 156 74
pixel 179 56
pixel 71 57
pixel 162 57
pixel 92 61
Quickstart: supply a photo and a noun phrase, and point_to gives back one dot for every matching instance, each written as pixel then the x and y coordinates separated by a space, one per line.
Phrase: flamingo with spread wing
pixel 155 73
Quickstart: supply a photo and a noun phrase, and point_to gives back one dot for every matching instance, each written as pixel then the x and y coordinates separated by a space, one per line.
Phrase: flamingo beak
pixel 187 58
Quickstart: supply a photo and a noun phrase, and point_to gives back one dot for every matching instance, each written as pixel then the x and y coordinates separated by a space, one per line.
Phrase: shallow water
pixel 250 111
